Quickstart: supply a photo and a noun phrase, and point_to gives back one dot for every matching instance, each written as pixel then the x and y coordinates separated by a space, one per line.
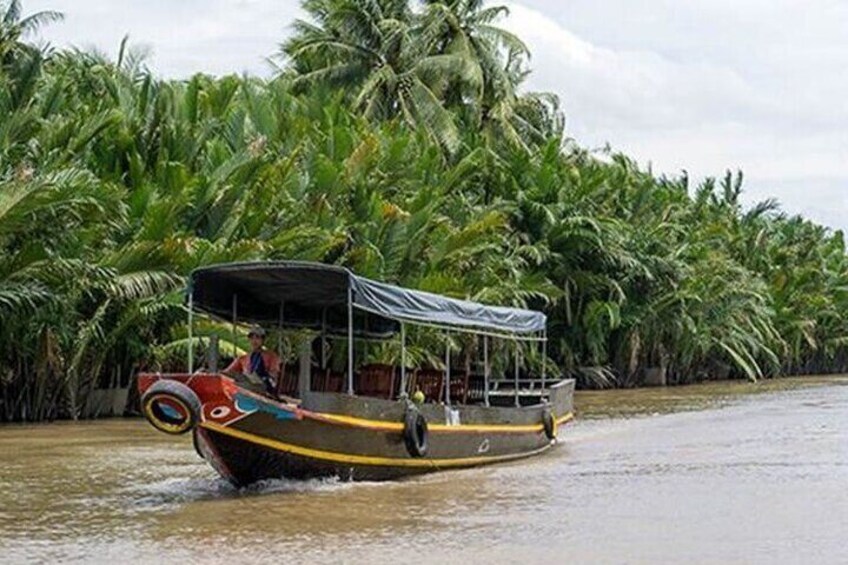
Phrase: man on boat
pixel 259 362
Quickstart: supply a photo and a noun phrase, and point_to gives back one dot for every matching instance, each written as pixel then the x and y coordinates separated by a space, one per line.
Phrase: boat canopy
pixel 316 296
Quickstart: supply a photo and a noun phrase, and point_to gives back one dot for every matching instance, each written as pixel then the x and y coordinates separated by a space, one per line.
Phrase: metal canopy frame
pixel 351 306
pixel 311 288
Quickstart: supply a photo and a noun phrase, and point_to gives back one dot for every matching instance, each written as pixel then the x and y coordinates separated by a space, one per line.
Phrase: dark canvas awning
pixel 312 294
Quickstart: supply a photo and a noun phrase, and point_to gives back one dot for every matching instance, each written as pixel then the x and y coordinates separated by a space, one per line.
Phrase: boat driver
pixel 260 364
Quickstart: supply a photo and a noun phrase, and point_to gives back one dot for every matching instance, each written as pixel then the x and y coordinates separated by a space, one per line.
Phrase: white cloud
pixel 187 36
pixel 706 86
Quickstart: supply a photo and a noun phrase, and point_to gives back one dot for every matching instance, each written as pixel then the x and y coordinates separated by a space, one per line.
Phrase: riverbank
pixel 701 474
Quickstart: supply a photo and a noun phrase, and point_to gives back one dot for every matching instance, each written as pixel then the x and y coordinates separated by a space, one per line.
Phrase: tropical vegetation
pixel 396 138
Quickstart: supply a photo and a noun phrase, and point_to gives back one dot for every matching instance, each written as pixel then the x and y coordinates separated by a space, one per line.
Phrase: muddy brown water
pixel 703 474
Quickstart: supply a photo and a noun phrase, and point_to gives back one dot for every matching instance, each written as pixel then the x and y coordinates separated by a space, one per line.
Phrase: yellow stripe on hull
pixel 382 425
pixel 438 428
pixel 365 460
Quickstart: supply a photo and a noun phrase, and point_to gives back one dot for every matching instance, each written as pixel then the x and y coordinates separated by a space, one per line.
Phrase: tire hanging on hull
pixel 171 407
pixel 549 423
pixel 415 433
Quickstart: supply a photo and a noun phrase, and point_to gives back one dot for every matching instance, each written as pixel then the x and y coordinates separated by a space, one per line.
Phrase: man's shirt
pixel 263 363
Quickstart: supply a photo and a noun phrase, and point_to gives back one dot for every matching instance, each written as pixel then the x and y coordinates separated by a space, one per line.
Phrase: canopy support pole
pixel 517 399
pixel 235 320
pixel 364 342
pixel 403 392
pixel 324 339
pixel 544 358
pixel 447 370
pixel 280 331
pixel 190 336
pixel 349 340
pixel 487 370
pixel 281 369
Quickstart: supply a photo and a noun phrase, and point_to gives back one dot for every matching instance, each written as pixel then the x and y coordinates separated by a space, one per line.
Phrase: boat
pixel 368 421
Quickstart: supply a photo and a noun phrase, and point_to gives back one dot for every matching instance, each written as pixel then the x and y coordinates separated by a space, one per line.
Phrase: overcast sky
pixel 701 85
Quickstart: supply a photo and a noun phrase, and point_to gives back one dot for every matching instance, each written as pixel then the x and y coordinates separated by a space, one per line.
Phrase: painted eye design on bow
pixel 220 412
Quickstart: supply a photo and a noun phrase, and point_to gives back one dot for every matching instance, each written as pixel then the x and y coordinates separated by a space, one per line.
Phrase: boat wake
pixel 177 491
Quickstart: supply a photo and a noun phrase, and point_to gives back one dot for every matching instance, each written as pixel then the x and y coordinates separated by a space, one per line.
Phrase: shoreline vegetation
pixel 395 138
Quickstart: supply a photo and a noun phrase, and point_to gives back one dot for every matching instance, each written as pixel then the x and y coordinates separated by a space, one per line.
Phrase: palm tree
pixel 465 28
pixel 488 93
pixel 14 26
pixel 20 62
pixel 383 54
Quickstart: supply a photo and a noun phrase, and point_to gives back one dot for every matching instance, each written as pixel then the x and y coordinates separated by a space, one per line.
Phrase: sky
pixel 701 85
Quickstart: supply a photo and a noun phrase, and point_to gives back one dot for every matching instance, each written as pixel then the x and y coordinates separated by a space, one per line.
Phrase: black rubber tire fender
pixel 549 423
pixel 181 399
pixel 416 433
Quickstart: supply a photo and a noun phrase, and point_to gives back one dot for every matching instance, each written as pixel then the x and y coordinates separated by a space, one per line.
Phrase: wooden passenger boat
pixel 374 422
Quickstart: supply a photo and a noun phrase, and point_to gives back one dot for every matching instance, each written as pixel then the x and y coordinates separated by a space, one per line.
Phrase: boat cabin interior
pixel 385 381
pixel 334 316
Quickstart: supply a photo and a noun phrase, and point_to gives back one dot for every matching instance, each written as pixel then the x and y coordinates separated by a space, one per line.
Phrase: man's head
pixel 257 338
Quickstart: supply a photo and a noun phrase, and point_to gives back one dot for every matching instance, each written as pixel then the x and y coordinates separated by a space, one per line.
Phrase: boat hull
pixel 247 437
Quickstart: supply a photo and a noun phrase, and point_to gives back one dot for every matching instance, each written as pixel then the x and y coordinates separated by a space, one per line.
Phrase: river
pixel 703 474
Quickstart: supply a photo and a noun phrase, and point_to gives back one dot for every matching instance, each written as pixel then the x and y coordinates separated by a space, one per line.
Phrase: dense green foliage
pixel 395 140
